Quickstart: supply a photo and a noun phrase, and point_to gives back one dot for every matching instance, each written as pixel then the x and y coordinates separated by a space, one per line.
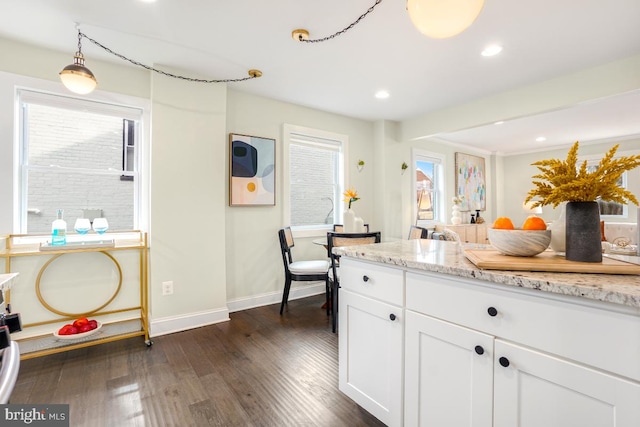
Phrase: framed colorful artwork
pixel 470 182
pixel 252 179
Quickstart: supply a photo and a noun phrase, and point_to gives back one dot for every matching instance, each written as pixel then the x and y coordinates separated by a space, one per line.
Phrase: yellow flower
pixel 563 181
pixel 350 195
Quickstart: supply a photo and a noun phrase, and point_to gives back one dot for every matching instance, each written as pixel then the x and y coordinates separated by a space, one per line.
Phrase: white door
pixel 448 374
pixel 370 355
pixel 534 389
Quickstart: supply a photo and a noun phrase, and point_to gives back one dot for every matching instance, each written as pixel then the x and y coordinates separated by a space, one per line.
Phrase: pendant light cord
pixel 252 73
pixel 344 30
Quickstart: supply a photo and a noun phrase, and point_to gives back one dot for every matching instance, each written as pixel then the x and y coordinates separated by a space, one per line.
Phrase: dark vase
pixel 583 236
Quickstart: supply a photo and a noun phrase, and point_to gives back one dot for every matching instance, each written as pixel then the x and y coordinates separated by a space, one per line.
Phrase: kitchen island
pixel 427 338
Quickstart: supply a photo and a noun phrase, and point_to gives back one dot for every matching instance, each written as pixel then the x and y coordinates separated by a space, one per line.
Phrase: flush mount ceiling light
pixel 491 50
pixel 79 79
pixel 433 18
pixel 382 94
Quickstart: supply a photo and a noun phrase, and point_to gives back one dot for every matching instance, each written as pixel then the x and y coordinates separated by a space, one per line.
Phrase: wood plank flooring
pixel 259 369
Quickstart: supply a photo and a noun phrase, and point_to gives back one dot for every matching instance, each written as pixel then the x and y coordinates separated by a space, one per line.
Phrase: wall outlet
pixel 167 288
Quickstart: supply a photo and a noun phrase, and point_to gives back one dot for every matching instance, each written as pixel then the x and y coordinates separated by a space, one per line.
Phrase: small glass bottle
pixel 59 230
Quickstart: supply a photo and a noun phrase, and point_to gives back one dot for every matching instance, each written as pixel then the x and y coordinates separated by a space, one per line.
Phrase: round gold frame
pixel 62 313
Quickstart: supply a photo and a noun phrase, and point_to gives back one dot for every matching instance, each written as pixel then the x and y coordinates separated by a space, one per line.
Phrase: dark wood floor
pixel 259 369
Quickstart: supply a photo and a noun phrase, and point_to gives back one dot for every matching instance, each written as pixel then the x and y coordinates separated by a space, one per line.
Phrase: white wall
pixel 254 263
pixel 187 203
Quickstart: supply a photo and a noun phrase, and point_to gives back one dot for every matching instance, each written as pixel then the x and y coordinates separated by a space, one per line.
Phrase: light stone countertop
pixel 448 258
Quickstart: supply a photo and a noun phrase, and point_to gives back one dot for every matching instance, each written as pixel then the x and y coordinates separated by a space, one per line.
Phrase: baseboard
pixel 239 304
pixel 170 325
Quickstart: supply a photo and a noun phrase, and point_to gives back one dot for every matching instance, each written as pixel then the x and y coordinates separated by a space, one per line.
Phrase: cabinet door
pixel 448 374
pixel 537 389
pixel 481 234
pixel 371 354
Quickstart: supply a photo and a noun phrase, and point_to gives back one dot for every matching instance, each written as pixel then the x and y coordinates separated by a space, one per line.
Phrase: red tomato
pixel 81 321
pixel 84 328
pixel 93 324
pixel 65 330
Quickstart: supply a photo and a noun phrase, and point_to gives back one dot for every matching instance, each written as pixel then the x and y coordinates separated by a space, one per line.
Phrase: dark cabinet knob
pixel 392 316
pixel 365 278
pixel 479 349
pixel 492 311
pixel 504 361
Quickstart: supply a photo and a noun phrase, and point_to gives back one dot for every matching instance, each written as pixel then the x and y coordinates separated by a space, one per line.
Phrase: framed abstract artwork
pixel 470 182
pixel 252 179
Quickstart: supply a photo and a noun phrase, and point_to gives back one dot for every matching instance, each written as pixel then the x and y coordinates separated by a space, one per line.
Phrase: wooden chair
pixel 303 271
pixel 335 240
pixel 339 228
pixel 416 232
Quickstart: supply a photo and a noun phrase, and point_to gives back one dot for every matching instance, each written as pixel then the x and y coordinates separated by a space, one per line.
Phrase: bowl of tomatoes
pixel 80 328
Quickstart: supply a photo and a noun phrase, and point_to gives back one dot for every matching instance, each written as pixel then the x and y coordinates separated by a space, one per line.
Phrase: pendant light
pixel 76 77
pixel 79 79
pixel 443 18
pixel 434 18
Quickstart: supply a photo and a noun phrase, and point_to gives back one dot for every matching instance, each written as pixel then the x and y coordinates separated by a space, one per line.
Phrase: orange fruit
pixel 534 223
pixel 504 223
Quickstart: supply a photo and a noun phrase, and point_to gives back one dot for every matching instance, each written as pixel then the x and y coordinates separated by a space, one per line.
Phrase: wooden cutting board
pixel 490 259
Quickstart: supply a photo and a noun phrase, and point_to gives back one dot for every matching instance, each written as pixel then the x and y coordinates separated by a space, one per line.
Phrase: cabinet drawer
pixel 372 280
pixel 583 332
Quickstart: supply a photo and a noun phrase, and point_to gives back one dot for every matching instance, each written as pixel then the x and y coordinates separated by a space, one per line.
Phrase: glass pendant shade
pixel 78 78
pixel 443 18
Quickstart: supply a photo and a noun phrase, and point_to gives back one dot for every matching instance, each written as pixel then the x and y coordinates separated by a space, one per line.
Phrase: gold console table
pixel 129 319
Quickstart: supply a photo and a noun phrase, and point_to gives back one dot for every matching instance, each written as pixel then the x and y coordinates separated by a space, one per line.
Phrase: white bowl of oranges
pixel 529 240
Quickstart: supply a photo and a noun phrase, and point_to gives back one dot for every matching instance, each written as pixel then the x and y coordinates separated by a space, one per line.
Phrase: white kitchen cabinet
pixel 448 374
pixel 548 358
pixel 466 352
pixel 371 339
pixel 537 389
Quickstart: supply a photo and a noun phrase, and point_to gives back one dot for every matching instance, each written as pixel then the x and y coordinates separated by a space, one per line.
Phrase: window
pixel 128 148
pixel 609 209
pixel 73 153
pixel 428 205
pixel 314 170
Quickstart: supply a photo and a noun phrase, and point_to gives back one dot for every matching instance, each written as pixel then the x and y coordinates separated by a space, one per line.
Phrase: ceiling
pixel 542 39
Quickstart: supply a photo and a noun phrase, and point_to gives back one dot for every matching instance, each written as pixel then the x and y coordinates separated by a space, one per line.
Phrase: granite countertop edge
pixel 448 258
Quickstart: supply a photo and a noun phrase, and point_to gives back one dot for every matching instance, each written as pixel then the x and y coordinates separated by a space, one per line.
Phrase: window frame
pixel 291 132
pixel 33 90
pixel 439 161
pixel 593 160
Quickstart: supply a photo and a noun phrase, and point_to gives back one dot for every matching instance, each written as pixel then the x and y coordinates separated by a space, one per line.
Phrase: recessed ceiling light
pixel 382 94
pixel 541 139
pixel 148 1
pixel 499 122
pixel 492 50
